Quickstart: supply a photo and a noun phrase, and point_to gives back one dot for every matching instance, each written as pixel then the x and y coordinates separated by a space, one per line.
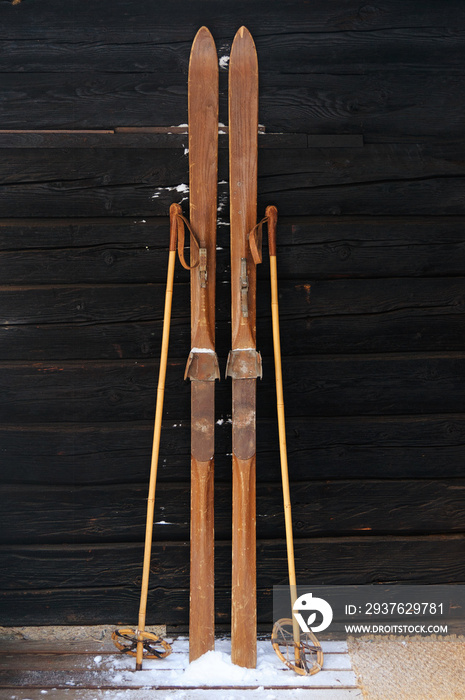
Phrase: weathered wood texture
pixel 367 174
pixel 331 385
pixel 116 513
pixel 381 447
pixel 379 179
pixel 333 63
pixel 123 321
pixel 86 671
pixel 128 250
pixel 94 583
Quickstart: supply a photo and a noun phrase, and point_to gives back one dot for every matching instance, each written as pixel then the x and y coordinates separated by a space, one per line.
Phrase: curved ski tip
pixel 203 34
pixel 203 46
pixel 243 36
pixel 203 31
pixel 243 32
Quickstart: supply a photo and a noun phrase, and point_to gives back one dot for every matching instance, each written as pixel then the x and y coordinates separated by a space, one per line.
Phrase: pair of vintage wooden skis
pixel 243 366
pixel 244 363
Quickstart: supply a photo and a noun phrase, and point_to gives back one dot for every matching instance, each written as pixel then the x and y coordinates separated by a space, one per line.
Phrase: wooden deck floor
pixel 91 670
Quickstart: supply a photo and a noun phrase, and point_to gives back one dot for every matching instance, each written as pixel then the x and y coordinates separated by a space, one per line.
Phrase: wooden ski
pixel 244 362
pixel 202 365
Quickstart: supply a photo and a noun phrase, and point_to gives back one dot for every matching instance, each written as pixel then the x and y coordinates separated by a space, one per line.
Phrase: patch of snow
pixel 224 61
pixel 178 188
pixel 215 668
pixel 222 201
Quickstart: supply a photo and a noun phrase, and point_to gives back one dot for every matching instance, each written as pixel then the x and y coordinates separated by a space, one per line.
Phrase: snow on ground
pixel 215 669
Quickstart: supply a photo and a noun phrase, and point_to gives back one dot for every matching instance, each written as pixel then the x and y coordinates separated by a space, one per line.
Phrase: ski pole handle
pixel 175 211
pixel 271 213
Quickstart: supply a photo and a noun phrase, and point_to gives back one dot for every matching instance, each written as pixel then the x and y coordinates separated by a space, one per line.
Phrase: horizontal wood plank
pixel 376 180
pixel 96 584
pixel 35 567
pixel 125 321
pixel 328 101
pixel 329 385
pixel 111 18
pixel 98 514
pixel 67 640
pixel 30 665
pixel 160 137
pixel 372 247
pixel 404 49
pixel 98 679
pixel 73 662
pixel 94 167
pixel 431 196
pixel 319 448
pixel 196 694
pixel 134 249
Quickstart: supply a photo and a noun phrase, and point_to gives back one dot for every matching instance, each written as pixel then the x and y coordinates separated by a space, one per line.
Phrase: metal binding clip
pixel 244 288
pixel 203 267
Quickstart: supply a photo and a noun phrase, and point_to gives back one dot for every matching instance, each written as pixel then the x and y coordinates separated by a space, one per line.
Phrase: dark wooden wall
pixel 371 263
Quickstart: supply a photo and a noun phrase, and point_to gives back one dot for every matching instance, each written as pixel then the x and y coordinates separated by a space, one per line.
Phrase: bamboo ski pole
pixel 135 643
pixel 271 213
pixel 271 216
pixel 174 210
